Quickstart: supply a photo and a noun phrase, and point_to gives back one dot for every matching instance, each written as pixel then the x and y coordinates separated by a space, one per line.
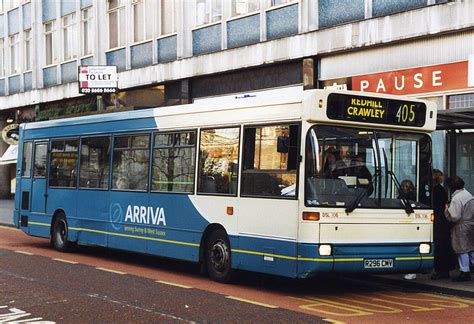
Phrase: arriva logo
pixel 145 215
pixel 116 215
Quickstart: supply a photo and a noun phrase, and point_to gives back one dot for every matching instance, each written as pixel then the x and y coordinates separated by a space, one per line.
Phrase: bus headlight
pixel 425 248
pixel 325 249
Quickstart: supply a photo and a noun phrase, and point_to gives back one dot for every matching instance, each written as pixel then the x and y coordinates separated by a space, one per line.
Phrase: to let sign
pixel 97 79
pixel 452 76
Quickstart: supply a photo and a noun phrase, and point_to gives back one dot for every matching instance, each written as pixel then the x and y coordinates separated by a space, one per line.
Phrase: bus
pixel 288 182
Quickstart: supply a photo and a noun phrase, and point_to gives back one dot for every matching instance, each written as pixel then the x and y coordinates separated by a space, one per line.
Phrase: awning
pixel 10 155
pixel 455 119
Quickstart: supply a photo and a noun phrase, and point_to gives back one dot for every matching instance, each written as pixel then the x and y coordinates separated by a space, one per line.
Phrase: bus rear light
pixel 311 216
pixel 432 217
pixel 325 250
pixel 425 248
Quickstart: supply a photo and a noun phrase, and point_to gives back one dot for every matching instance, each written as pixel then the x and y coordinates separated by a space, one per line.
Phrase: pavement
pixel 421 282
pixel 6 212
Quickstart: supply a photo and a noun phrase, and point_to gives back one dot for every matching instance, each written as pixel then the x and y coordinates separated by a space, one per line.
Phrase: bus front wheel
pixel 218 257
pixel 59 234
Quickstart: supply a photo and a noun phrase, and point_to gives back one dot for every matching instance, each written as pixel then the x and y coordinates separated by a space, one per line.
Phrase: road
pixel 94 284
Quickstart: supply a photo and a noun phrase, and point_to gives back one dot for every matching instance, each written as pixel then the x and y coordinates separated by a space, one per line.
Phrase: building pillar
pixel 308 74
pixel 4 169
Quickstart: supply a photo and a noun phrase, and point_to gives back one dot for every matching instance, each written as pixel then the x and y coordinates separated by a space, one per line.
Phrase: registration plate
pixel 378 263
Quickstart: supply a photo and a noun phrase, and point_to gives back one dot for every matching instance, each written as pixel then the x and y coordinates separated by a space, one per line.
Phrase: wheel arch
pixel 56 214
pixel 205 236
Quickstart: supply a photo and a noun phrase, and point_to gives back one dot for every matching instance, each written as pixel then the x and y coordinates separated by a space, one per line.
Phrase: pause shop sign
pixel 97 79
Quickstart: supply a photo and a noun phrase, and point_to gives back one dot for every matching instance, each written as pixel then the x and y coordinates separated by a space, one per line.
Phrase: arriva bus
pixel 285 182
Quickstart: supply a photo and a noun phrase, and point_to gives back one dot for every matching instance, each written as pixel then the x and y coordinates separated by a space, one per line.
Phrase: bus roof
pixel 262 98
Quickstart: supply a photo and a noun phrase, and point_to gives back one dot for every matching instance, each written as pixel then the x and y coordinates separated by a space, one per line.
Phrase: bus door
pixel 268 210
pixel 39 182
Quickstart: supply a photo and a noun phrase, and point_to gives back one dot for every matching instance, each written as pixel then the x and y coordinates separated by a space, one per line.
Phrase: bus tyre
pixel 60 233
pixel 218 257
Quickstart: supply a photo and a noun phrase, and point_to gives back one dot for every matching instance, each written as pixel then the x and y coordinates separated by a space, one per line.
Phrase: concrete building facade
pixel 171 51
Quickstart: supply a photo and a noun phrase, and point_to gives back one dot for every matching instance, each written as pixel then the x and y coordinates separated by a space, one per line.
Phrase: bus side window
pixel 26 159
pixel 173 162
pixel 219 161
pixel 39 167
pixel 270 160
pixel 95 162
pixel 63 164
pixel 131 158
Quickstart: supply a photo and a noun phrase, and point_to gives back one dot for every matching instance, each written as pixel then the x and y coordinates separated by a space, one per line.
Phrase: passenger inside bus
pixel 359 170
pixel 331 169
pixel 408 190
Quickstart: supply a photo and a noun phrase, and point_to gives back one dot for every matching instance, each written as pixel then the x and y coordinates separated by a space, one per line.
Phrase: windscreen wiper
pixel 405 201
pixel 356 201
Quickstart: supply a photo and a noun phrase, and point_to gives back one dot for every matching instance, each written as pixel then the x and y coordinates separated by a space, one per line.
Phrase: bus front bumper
pixel 364 258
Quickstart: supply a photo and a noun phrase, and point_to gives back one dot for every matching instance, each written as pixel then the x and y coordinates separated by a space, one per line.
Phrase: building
pixel 171 51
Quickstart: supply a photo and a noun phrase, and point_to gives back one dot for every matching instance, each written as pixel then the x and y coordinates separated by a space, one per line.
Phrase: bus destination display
pixel 376 110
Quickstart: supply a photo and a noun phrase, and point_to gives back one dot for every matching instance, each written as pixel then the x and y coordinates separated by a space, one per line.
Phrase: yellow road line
pixel 65 261
pixel 173 284
pixel 251 302
pixel 112 271
pixel 333 321
pixel 455 299
pixel 24 252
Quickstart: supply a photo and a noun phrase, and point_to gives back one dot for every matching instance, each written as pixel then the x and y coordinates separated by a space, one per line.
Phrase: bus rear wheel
pixel 218 257
pixel 60 233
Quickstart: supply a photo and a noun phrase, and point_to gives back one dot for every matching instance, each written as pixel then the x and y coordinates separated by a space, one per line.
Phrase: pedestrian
pixel 460 211
pixel 443 252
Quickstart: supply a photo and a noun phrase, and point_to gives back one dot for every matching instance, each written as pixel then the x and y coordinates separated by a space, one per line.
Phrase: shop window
pixel 242 7
pixel 63 164
pixel 462 101
pixel 2 57
pixel 116 17
pixel 95 162
pixel 14 54
pixel 279 2
pixel 26 159
pixel 167 17
pixel 130 162
pixel 69 26
pixel 49 39
pixel 27 49
pixel 142 20
pixel 87 31
pixel 208 11
pixel 219 161
pixel 173 162
pixel 270 161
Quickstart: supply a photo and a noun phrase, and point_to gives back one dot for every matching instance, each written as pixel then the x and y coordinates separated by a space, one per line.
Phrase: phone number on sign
pixel 97 90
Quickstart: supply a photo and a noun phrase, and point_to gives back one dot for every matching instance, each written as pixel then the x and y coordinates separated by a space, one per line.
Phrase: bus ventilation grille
pixel 24 221
pixel 25 200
